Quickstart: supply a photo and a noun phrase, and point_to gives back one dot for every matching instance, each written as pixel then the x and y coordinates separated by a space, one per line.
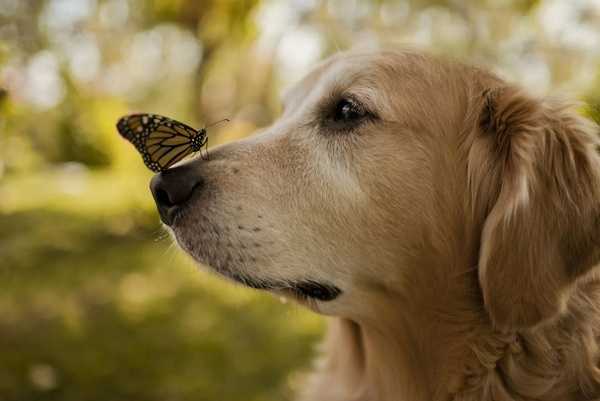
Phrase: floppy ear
pixel 533 172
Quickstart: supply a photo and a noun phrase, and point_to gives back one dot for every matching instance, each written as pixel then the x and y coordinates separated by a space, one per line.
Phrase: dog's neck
pixel 448 351
pixel 415 353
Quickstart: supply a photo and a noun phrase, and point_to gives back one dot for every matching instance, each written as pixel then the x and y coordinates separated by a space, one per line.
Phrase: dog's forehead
pixel 341 71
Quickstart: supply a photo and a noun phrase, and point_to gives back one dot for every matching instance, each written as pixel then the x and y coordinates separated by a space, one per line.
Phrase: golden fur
pixel 461 225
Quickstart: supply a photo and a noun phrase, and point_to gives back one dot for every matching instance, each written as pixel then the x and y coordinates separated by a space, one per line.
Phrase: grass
pixel 96 304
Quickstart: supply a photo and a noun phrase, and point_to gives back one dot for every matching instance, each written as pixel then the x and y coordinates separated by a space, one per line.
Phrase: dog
pixel 446 221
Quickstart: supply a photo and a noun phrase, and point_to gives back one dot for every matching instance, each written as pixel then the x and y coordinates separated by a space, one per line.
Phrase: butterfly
pixel 160 140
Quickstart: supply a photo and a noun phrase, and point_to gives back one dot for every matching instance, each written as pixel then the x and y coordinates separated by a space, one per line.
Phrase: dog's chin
pixel 227 263
pixel 300 290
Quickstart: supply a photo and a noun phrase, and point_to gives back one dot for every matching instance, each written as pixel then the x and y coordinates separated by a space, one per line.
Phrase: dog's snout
pixel 172 188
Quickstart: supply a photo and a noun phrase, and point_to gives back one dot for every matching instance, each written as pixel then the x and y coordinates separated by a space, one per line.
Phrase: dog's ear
pixel 534 177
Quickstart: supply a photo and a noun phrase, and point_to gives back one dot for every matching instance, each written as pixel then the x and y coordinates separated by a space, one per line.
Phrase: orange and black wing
pixel 160 140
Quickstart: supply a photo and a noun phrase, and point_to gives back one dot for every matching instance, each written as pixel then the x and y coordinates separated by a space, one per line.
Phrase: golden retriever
pixel 447 221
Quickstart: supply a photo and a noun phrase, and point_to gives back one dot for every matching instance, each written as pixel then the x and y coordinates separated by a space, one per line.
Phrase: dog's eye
pixel 345 115
pixel 348 110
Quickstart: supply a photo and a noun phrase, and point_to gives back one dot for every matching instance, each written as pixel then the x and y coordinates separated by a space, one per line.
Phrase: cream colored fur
pixel 461 224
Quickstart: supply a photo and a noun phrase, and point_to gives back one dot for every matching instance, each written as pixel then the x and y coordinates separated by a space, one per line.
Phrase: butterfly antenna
pixel 218 122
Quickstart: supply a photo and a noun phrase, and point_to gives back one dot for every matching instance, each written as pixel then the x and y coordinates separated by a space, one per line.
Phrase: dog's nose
pixel 172 188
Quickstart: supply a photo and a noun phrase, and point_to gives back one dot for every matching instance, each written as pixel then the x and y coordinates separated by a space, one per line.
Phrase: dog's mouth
pixel 302 289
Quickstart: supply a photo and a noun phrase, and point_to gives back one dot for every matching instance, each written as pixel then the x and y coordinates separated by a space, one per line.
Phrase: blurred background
pixel 95 302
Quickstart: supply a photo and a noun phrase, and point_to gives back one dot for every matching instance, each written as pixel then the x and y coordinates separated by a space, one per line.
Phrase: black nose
pixel 172 188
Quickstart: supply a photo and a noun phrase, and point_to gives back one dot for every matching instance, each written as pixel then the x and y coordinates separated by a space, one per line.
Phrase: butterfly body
pixel 160 140
pixel 199 140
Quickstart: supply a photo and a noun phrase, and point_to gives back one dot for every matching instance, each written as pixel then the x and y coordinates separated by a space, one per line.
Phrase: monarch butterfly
pixel 160 140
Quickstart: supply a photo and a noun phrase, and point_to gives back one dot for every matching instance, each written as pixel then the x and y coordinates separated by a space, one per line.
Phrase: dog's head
pixel 385 167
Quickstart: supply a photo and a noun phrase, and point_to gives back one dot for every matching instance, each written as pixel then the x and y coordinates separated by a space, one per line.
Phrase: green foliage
pixel 94 308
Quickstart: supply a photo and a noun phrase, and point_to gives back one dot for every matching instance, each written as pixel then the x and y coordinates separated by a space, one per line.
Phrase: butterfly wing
pixel 160 140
